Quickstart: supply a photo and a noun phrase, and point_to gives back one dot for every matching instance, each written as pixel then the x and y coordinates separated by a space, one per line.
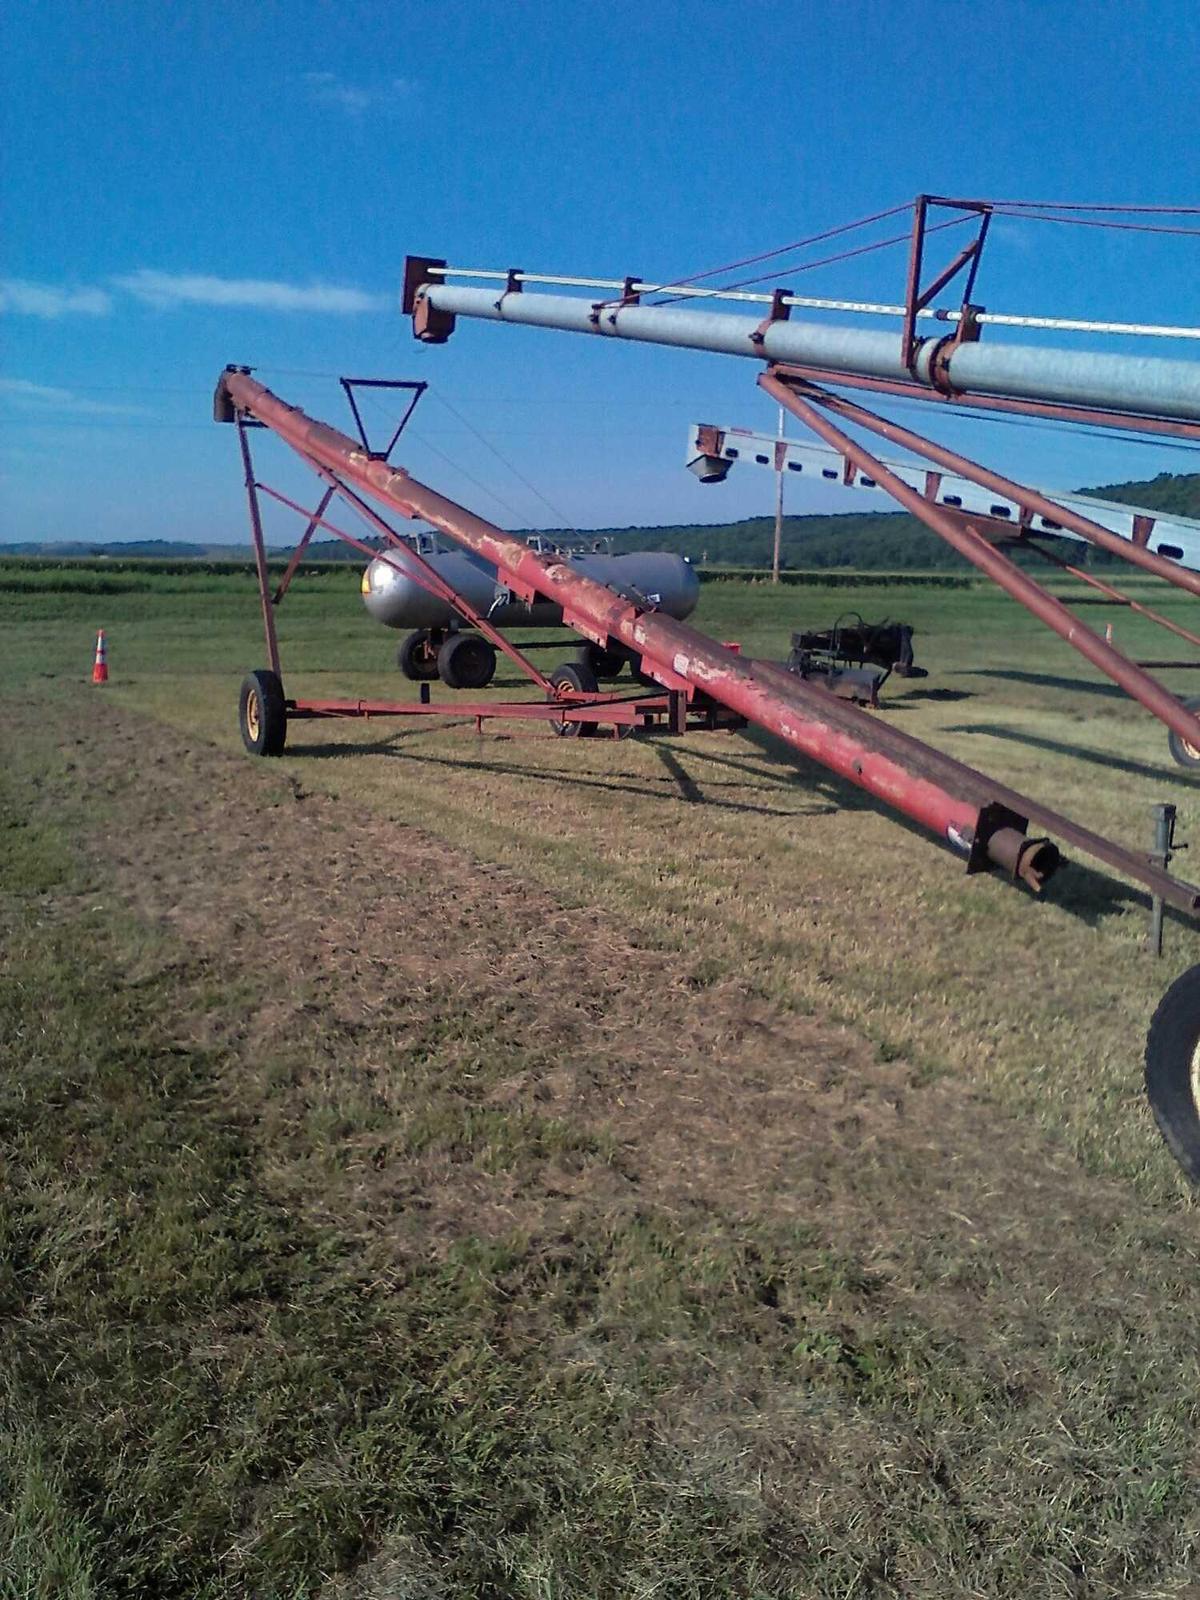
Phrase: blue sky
pixel 188 185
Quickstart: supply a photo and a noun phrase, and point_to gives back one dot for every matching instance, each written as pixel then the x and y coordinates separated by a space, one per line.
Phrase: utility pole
pixel 778 503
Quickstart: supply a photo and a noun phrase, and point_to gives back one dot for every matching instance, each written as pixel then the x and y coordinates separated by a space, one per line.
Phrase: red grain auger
pixel 706 684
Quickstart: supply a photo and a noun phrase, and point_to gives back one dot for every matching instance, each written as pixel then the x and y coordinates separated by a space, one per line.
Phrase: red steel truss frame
pixel 916 297
pixel 808 402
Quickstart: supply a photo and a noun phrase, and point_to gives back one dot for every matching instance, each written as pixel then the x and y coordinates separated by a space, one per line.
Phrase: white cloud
pixel 166 290
pixel 39 396
pixel 21 298
pixel 327 89
pixel 169 290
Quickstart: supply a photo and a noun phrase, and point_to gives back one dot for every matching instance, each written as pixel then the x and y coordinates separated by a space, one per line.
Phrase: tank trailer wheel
pixel 466 661
pixel 573 676
pixel 601 663
pixel 262 714
pixel 1183 753
pixel 1173 1070
pixel 417 656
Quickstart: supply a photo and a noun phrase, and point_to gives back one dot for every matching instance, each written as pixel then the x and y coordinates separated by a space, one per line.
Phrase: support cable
pixel 791 268
pixel 564 521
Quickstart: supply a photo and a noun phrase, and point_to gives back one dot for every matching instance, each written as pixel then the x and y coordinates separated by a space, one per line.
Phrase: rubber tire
pixel 416 658
pixel 574 675
pixel 1173 1070
pixel 265 690
pixel 466 661
pixel 1179 750
pixel 601 663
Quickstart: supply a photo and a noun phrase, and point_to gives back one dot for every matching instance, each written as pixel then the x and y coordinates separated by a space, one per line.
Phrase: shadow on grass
pixel 1081 891
pixel 939 697
pixel 1046 680
pixel 1082 752
pixel 625 786
pixel 779 765
pixel 687 786
pixel 1092 896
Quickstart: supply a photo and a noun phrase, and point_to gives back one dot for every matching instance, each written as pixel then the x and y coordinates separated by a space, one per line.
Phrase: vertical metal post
pixel 1164 838
pixel 778 501
pixel 260 552
pixel 912 293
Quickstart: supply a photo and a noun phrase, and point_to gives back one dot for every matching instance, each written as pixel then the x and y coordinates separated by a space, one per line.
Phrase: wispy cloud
pixel 170 290
pixel 166 290
pixel 19 297
pixel 49 397
pixel 356 99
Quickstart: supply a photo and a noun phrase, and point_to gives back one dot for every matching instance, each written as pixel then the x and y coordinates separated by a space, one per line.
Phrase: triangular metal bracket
pixel 417 390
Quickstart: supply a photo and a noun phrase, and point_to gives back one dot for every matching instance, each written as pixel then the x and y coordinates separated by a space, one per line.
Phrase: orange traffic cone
pixel 100 665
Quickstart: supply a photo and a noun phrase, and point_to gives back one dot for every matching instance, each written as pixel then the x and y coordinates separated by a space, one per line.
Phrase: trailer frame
pixel 566 711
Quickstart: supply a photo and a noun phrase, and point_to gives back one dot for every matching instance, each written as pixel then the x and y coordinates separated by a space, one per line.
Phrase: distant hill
pixel 172 550
pixel 882 540
pixel 879 540
pixel 1173 493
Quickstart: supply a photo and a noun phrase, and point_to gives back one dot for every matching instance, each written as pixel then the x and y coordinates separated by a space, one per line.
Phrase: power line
pixel 424 441
pixel 1096 222
pixel 786 249
pixel 790 268
pixel 1071 205
pixel 564 520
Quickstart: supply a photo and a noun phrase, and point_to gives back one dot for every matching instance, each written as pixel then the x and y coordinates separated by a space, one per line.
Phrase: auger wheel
pixel 1183 752
pixel 262 714
pixel 570 679
pixel 1173 1070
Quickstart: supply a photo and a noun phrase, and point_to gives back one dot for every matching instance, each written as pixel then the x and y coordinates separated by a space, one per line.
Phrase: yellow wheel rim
pixel 252 719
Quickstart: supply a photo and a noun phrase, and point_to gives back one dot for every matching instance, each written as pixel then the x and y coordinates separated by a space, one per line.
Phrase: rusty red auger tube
pixel 678 656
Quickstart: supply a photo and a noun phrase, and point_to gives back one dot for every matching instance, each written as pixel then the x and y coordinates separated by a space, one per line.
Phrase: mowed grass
pixel 205 1392
pixel 223 1375
pixel 724 844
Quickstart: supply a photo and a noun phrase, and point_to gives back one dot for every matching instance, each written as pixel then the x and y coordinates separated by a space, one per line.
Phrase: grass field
pixel 441 1164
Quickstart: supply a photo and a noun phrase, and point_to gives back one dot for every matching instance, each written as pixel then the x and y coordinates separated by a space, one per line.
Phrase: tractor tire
pixel 573 675
pixel 262 714
pixel 466 661
pixel 417 656
pixel 1173 1070
pixel 1183 753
